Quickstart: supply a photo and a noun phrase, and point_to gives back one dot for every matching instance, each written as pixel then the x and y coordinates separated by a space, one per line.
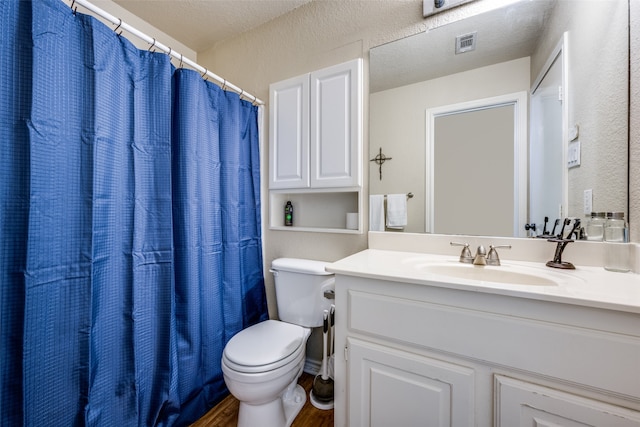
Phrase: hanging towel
pixel 376 212
pixel 396 210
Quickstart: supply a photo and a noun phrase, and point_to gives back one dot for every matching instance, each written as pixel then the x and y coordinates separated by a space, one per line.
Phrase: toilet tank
pixel 300 287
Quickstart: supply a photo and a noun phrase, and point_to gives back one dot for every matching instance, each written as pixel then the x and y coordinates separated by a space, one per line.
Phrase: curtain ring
pixel 204 75
pixel 152 45
pixel 241 93
pixel 180 66
pixel 224 84
pixel 115 30
pixel 73 4
pixel 169 55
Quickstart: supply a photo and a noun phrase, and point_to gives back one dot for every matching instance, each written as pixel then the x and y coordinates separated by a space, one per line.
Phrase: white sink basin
pixel 494 274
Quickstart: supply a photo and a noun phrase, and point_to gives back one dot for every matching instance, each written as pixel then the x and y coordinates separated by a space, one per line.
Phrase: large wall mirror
pixel 582 43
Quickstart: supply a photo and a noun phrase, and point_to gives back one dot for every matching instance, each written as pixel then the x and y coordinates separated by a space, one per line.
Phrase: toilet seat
pixel 265 346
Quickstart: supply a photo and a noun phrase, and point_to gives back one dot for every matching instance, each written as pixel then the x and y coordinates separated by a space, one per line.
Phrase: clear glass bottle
pixel 595 226
pixel 616 236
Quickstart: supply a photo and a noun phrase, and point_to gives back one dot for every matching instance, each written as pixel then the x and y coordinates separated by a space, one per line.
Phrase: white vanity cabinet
pixel 414 354
pixel 520 403
pixel 315 148
pixel 394 387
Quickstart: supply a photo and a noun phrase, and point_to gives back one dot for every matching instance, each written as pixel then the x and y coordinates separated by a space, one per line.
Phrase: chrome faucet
pixel 481 257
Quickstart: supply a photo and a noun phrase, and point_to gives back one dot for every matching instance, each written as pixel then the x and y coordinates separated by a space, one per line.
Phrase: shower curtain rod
pixel 121 25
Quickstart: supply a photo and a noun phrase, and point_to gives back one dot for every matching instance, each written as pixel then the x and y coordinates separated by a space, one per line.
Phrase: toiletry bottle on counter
pixel 595 226
pixel 288 214
pixel 616 236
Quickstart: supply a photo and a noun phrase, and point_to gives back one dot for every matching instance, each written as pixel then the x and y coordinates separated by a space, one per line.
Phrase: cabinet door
pixel 520 403
pixel 289 133
pixel 336 125
pixel 389 387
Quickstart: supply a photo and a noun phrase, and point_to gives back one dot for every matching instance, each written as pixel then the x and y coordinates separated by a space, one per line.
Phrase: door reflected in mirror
pixel 478 183
pixel 547 121
pixel 514 44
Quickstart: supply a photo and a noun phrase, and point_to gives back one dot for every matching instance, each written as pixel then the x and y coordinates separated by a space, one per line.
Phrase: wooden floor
pixel 225 414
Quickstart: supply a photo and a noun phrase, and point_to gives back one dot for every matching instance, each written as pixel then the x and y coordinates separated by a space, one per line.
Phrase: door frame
pixel 561 48
pixel 519 100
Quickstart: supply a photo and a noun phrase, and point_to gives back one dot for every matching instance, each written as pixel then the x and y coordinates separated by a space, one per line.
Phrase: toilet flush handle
pixel 274 272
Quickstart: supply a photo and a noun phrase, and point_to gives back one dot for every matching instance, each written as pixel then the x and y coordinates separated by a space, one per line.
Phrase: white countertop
pixel 586 286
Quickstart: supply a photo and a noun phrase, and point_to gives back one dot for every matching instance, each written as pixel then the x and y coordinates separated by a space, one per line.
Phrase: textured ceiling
pixel 504 34
pixel 200 24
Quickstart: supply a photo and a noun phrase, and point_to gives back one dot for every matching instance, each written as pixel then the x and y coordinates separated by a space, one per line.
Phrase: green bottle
pixel 288 214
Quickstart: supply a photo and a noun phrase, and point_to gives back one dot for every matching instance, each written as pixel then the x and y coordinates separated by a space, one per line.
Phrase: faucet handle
pixel 492 256
pixel 465 255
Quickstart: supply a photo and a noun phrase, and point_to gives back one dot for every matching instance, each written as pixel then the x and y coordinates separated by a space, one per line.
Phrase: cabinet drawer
pixel 601 360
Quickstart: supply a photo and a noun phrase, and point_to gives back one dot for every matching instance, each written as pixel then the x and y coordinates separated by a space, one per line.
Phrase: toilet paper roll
pixel 352 220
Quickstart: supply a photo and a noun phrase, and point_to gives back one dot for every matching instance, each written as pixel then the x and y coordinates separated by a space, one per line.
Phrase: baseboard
pixel 312 366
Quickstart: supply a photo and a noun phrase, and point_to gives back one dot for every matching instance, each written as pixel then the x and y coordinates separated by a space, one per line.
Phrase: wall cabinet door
pixel 520 403
pixel 336 125
pixel 389 387
pixel 315 129
pixel 289 133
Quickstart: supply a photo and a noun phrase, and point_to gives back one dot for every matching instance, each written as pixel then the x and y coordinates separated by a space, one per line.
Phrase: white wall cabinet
pixel 315 147
pixel 441 356
pixel 336 126
pixel 315 129
pixel 289 133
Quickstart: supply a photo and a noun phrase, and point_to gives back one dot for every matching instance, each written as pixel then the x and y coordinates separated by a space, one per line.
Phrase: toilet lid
pixel 264 343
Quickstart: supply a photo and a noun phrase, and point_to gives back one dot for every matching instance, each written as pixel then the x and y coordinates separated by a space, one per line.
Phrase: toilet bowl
pixel 261 364
pixel 263 381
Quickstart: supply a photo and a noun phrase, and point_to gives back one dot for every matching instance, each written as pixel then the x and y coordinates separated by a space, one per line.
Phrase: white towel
pixel 376 212
pixel 396 210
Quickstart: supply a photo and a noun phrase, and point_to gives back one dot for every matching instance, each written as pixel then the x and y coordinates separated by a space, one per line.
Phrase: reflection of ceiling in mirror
pixel 503 35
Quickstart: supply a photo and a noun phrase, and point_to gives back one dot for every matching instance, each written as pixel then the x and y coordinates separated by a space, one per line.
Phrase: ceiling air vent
pixel 466 42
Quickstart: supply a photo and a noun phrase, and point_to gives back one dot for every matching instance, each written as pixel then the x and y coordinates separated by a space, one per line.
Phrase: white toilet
pixel 261 364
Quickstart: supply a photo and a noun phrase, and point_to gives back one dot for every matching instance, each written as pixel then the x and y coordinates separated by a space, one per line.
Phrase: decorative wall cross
pixel 380 159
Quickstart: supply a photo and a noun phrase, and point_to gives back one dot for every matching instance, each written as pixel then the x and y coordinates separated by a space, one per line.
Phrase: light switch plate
pixel 573 154
pixel 588 201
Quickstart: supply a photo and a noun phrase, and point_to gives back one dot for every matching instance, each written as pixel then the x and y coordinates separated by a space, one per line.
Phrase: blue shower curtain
pixel 129 227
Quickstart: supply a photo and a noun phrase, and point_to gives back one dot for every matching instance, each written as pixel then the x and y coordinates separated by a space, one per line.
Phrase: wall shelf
pixel 317 210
